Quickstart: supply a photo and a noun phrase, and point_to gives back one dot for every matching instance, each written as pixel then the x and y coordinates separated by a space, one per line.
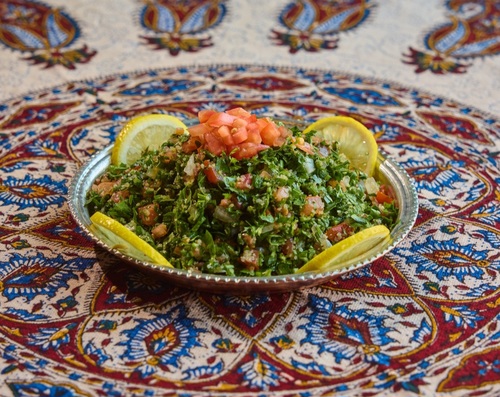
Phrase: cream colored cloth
pixel 375 47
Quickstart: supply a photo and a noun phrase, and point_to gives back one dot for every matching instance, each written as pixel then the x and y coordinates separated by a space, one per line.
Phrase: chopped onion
pixel 309 165
pixel 325 243
pixel 268 228
pixel 223 215
pixel 371 186
pixel 190 168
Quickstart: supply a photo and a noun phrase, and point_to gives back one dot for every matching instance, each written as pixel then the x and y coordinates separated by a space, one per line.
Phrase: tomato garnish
pixel 204 115
pixel 383 196
pixel 339 232
pixel 236 132
pixel 212 175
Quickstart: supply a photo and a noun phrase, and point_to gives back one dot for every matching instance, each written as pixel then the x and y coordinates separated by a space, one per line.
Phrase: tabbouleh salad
pixel 228 212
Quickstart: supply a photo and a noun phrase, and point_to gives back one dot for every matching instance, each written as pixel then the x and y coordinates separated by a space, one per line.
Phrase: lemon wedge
pixel 354 140
pixel 347 251
pixel 118 237
pixel 142 133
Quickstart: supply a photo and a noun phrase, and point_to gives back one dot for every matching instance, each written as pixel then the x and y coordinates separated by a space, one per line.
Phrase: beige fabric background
pixel 373 49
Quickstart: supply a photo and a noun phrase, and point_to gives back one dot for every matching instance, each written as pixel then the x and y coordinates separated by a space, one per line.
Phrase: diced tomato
pixel 192 144
pixel 305 147
pixel 314 206
pixel 279 141
pixel 169 154
pixel 262 123
pixel 214 144
pixel 235 131
pixel 212 174
pixel 240 113
pixel 204 115
pixel 240 123
pixel 250 259
pixel 233 200
pixel 249 240
pixel 383 196
pixel 247 150
pixel 120 195
pixel 104 188
pixel 284 132
pixel 253 133
pixel 338 232
pixel 225 133
pixel 288 248
pixel 240 135
pixel 244 182
pixel 218 119
pixel 159 231
pixel 270 134
pixel 148 214
pixel 198 130
pixel 281 193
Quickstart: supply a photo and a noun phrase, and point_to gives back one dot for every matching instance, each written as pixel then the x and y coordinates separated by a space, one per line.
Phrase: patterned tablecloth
pixel 422 320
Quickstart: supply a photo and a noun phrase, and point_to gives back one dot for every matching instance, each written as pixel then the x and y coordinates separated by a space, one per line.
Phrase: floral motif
pixel 33 114
pixel 161 342
pixel 32 192
pixel 264 83
pixel 181 26
pixel 45 32
pixel 449 258
pixel 470 32
pixel 313 25
pixel 38 275
pixel 455 126
pixel 488 213
pixel 461 316
pixel 259 373
pixel 51 338
pixel 343 333
pixel 483 366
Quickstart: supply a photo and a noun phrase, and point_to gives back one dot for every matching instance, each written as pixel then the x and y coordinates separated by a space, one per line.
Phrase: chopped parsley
pixel 261 216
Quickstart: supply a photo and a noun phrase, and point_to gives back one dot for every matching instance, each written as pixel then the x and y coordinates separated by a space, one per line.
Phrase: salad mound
pixel 244 196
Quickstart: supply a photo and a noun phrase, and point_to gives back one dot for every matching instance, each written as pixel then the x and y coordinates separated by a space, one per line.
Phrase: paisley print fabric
pixel 470 32
pixel 449 47
pixel 181 26
pixel 46 33
pixel 422 320
pixel 314 25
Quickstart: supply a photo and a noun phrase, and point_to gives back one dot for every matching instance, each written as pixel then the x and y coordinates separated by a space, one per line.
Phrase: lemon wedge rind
pixel 354 140
pixel 142 133
pixel 118 237
pixel 349 251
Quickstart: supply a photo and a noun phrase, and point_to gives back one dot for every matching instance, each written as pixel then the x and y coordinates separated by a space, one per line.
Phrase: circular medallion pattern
pixel 76 321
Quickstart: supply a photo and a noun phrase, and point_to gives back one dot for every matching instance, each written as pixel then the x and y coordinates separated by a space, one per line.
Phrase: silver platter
pixel 388 171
